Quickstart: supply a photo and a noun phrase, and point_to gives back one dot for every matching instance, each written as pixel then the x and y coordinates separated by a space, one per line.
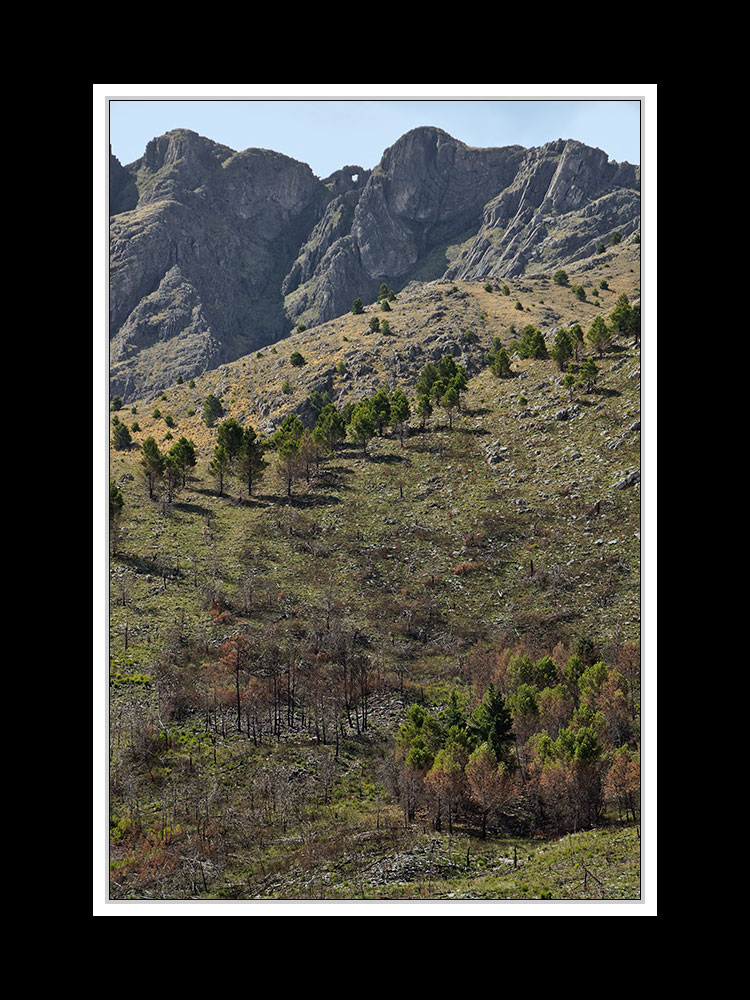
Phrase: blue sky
pixel 330 134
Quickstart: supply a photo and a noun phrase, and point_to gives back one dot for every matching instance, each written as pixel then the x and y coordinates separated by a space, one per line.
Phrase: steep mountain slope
pixel 515 531
pixel 549 459
pixel 225 252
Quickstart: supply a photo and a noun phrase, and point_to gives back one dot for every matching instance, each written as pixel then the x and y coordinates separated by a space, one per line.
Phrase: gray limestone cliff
pixel 215 253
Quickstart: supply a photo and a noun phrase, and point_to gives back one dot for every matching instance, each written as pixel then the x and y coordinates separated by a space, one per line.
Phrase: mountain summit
pixel 216 253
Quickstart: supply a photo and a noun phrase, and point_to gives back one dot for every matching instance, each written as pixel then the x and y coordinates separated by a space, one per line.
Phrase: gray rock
pixel 628 480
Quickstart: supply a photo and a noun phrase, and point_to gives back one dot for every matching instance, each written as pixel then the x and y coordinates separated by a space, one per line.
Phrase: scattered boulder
pixel 629 479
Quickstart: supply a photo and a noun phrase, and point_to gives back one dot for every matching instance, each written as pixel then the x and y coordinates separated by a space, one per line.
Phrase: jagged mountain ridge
pixel 215 253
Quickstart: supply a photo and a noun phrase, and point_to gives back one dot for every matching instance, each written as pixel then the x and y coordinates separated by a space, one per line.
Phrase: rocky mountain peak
pixel 175 164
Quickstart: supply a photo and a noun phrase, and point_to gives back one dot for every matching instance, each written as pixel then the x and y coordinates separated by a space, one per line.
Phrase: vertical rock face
pixel 177 163
pixel 427 191
pixel 428 177
pixel 196 267
pixel 215 253
pixel 123 193
pixel 565 198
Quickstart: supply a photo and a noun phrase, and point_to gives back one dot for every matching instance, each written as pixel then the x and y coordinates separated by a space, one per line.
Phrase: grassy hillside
pixel 438 554
pixel 254 387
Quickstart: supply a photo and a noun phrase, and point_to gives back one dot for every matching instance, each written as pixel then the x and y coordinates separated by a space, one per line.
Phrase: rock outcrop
pixel 196 268
pixel 565 199
pixel 215 253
